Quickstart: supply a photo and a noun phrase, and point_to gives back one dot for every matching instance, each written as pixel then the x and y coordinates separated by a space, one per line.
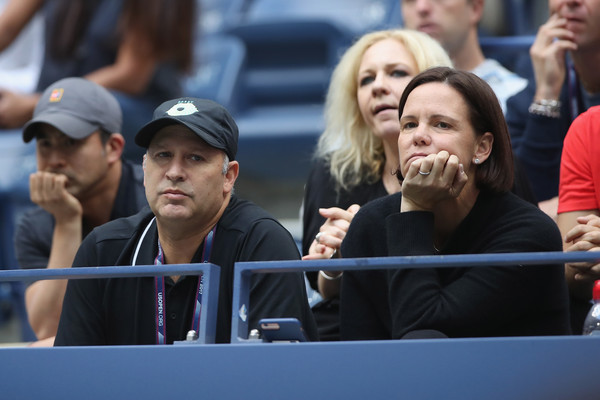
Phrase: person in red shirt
pixel 579 207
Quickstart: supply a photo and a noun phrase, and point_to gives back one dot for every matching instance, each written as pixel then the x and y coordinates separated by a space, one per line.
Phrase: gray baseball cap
pixel 77 107
pixel 207 119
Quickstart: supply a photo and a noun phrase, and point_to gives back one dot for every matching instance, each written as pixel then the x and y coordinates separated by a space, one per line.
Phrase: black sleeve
pixel 479 301
pixel 81 320
pixel 276 294
pixel 366 236
pixel 537 141
pixel 32 251
pixel 364 310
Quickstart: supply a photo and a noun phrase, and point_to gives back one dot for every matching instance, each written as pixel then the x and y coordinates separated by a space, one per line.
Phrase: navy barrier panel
pixel 210 295
pixel 534 368
pixel 561 367
pixel 244 270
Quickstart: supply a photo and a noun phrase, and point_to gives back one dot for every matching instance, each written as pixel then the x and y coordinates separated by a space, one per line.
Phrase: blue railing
pixel 210 296
pixel 244 270
pixel 558 367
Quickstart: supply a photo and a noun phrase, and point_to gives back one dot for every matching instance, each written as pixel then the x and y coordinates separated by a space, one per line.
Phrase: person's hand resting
pixel 48 190
pixel 331 233
pixel 430 180
pixel 585 236
pixel 16 109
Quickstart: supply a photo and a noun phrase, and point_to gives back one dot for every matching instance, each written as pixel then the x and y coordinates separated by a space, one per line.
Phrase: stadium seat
pixel 293 45
pixel 270 63
pixel 282 86
pixel 359 16
pixel 219 60
pixel 215 15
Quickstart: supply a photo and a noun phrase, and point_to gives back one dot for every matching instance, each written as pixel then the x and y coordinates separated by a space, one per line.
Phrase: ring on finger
pixel 424 173
pixel 318 237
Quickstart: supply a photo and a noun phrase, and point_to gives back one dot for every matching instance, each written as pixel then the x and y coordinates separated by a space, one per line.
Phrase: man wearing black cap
pixel 81 182
pixel 189 174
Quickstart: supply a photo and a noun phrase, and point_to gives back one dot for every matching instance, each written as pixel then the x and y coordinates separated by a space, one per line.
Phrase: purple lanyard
pixel 159 290
pixel 573 89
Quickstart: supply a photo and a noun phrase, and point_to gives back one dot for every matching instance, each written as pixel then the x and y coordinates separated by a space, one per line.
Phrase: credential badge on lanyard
pixel 159 285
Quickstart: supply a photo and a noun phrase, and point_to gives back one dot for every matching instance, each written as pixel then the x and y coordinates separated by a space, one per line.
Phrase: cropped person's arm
pixel 15 108
pixel 578 203
pixel 537 139
pixel 319 192
pixel 44 298
pixel 82 320
pixel 134 67
pixel 331 235
pixel 15 15
pixel 580 281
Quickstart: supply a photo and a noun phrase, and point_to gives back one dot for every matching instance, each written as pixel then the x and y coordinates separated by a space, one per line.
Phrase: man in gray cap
pixel 189 174
pixel 81 182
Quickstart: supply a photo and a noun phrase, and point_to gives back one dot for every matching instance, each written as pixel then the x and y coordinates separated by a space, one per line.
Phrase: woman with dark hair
pixel 456 171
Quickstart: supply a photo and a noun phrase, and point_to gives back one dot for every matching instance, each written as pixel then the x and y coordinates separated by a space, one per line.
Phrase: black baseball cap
pixel 77 107
pixel 207 119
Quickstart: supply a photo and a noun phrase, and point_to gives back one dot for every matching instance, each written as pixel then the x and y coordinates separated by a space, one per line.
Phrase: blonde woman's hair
pixel 354 154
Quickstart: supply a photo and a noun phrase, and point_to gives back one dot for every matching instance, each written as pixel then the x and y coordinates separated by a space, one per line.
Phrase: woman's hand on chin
pixel 432 179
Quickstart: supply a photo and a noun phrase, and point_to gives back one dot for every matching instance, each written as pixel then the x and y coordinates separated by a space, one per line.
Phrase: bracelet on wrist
pixel 546 108
pixel 331 278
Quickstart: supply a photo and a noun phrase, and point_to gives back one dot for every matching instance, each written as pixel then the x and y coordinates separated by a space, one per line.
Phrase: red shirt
pixel 579 187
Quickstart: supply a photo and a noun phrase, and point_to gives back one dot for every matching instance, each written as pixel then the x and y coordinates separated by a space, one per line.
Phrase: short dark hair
pixel 496 174
pixel 104 135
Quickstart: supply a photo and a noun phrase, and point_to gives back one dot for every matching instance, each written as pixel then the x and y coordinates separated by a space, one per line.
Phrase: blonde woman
pixel 357 154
